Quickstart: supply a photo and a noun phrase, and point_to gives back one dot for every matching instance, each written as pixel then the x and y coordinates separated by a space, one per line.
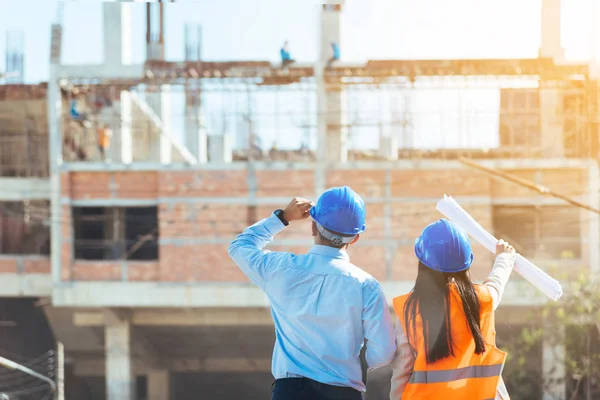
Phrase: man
pixel 324 307
pixel 336 54
pixel 104 136
pixel 286 58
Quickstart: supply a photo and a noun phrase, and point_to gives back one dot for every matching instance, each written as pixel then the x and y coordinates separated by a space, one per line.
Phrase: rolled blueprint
pixel 538 278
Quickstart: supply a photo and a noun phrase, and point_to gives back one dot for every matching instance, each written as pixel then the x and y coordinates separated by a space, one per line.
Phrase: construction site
pixel 122 185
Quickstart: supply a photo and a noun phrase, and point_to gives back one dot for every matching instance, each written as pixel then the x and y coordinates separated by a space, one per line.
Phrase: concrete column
pixel 120 375
pixel 195 132
pixel 117 33
pixel 159 385
pixel 551 29
pixel 552 122
pixel 219 148
pixel 123 140
pixel 333 133
pixel 161 146
pixel 55 157
pixel 553 367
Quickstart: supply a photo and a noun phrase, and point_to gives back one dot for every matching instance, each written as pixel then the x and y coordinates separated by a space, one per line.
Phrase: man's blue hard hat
pixel 445 247
pixel 340 210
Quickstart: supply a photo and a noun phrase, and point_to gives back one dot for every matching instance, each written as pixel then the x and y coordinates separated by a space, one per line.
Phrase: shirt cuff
pixel 273 224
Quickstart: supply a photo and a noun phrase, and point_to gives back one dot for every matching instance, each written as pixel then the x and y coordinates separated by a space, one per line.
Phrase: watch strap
pixel 279 214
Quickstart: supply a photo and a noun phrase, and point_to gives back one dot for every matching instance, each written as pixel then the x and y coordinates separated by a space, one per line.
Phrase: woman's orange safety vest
pixel 466 375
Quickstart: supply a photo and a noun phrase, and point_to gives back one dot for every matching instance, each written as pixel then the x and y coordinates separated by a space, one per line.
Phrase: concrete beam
pixel 17 189
pixel 115 316
pixel 232 295
pixel 168 317
pixel 26 285
pixel 507 164
pixel 100 71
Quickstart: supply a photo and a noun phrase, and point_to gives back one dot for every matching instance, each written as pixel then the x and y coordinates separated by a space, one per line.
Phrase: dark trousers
pixel 307 389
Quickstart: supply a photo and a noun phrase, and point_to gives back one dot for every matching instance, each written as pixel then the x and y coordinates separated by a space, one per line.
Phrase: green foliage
pixel 573 321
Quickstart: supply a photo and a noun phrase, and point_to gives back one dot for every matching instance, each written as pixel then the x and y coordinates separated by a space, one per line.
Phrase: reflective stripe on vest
pixel 475 371
pixel 467 375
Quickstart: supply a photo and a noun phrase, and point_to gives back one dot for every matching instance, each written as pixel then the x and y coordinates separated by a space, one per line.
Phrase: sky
pixel 371 29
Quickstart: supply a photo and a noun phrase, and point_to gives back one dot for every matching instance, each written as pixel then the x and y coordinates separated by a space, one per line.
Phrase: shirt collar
pixel 328 251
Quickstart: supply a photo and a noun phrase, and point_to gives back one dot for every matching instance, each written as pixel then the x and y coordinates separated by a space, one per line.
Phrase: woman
pixel 445 335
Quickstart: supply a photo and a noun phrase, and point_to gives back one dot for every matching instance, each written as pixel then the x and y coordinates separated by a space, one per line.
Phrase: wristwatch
pixel 279 214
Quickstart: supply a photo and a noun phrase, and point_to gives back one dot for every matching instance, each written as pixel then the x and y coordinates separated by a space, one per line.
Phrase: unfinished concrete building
pixel 141 291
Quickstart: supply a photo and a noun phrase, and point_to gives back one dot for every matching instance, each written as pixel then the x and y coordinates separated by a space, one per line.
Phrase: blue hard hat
pixel 340 210
pixel 445 247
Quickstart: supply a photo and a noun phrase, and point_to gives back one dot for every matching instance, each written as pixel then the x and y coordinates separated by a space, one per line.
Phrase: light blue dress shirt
pixel 323 308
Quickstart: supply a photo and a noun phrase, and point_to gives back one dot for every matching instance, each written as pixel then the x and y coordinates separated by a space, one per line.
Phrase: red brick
pixel 66 261
pixel 65 184
pixel 405 264
pixel 96 271
pixel 367 183
pixel 573 182
pixel 36 265
pixel 90 185
pixel 227 183
pixel 370 259
pixel 8 264
pixel 431 183
pixel 198 263
pixel 409 219
pixel 291 183
pixel 105 185
pixel 375 222
pixel 142 270
pixel 567 181
pixel 136 185
pixel 201 220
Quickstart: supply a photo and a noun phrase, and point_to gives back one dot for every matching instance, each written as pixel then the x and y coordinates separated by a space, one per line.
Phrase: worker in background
pixel 104 136
pixel 336 54
pixel 77 115
pixel 286 58
pixel 323 306
pixel 445 333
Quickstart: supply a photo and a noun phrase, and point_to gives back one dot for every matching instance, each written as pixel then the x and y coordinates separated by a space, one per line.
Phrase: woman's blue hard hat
pixel 445 247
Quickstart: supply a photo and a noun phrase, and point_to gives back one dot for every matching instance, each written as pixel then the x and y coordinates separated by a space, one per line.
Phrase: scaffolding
pixel 15 56
pixel 23 131
pixel 424 108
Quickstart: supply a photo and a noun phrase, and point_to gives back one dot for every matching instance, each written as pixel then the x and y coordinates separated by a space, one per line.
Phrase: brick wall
pixel 200 212
pixel 24 264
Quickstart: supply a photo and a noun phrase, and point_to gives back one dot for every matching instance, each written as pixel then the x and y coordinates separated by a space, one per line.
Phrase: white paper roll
pixel 538 278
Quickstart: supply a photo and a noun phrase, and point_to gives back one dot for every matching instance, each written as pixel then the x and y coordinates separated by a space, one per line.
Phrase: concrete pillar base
pixel 553 366
pixel 120 376
pixel 159 385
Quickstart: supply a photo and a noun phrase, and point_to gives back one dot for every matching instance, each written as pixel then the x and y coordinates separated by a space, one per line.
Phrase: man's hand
pixel 297 209
pixel 503 247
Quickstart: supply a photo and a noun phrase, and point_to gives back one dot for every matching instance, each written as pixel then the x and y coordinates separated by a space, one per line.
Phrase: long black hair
pixel 431 299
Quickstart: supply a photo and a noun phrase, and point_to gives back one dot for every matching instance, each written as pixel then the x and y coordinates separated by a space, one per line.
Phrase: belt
pixel 329 391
